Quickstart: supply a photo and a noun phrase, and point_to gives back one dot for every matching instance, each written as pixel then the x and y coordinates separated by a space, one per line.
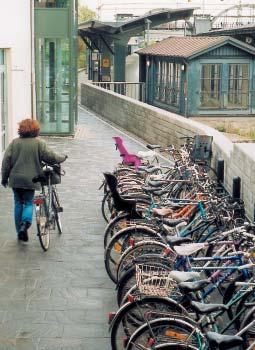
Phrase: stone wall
pixel 157 126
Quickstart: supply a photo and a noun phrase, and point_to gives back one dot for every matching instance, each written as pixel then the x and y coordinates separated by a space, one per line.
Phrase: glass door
pixel 52 84
pixel 3 101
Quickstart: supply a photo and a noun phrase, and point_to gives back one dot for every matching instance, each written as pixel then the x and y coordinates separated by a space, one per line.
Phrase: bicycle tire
pixel 172 346
pixel 248 297
pixel 179 330
pixel 43 227
pixel 121 323
pixel 115 225
pixel 120 242
pixel 128 279
pixel 106 208
pixel 56 208
pixel 249 335
pixel 140 248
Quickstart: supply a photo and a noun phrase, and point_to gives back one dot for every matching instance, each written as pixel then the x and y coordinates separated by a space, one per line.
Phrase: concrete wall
pixel 15 37
pixel 158 126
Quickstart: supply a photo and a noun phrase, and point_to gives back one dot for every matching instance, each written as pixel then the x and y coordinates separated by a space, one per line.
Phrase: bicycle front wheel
pixel 57 210
pixel 43 226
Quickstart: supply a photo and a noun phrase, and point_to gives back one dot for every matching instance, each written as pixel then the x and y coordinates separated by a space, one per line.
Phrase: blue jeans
pixel 23 210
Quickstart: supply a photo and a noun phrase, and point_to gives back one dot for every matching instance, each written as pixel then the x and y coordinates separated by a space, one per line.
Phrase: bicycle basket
pixel 56 174
pixel 154 280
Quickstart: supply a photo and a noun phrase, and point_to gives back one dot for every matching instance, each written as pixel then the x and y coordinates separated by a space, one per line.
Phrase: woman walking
pixel 21 163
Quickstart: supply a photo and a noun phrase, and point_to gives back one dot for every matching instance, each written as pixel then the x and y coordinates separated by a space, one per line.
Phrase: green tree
pixel 84 14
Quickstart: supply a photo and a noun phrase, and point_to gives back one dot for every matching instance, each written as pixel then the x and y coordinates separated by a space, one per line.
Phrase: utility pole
pixel 239 12
pixel 99 8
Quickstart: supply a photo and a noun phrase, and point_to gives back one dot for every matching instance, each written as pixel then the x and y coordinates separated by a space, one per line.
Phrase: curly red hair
pixel 28 128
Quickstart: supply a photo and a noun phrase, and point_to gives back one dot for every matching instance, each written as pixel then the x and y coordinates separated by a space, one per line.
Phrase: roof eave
pixel 227 40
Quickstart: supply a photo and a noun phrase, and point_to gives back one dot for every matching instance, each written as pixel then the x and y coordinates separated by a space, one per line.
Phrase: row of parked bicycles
pixel 181 253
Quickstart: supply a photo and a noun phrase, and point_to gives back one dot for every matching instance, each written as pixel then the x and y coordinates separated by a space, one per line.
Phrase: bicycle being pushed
pixel 47 204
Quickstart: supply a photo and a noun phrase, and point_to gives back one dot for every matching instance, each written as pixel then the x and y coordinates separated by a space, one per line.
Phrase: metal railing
pixel 129 89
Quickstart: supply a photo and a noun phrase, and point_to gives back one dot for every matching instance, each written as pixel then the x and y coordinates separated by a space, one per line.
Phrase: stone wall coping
pixel 156 125
pixel 247 148
pixel 219 139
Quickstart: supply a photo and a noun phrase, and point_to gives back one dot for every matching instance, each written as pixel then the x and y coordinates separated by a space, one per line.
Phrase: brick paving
pixel 59 300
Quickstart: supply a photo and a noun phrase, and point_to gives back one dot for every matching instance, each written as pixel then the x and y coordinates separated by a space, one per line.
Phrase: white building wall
pixel 15 36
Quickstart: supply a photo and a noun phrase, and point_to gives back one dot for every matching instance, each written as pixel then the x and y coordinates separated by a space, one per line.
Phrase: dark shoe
pixel 20 236
pixel 23 236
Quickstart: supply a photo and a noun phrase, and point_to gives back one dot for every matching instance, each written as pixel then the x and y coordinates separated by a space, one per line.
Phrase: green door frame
pixel 57 37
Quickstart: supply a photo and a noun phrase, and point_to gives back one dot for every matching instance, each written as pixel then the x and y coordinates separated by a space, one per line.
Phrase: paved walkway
pixel 60 299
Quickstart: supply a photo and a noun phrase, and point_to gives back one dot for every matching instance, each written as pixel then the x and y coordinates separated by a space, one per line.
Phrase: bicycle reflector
pixel 131 242
pixel 130 298
pixel 111 316
pixel 166 251
pixel 125 341
pixel 38 201
pixel 151 342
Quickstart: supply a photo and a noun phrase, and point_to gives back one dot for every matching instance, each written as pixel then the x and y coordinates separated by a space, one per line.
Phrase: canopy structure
pixel 243 33
pixel 107 41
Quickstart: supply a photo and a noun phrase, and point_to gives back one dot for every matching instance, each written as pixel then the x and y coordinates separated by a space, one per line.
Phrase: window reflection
pixel 51 3
pixel 168 82
pixel 238 86
pixel 211 86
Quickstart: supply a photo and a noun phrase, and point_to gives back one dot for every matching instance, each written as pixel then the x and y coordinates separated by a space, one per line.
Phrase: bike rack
pixel 202 150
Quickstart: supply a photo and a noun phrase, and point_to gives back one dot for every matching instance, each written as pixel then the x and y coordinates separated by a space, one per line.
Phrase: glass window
pixel 2 60
pixel 52 3
pixel 211 86
pixel 238 86
pixel 167 88
pixel 157 87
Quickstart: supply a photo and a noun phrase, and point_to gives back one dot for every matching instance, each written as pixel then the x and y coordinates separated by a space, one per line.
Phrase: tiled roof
pixel 182 46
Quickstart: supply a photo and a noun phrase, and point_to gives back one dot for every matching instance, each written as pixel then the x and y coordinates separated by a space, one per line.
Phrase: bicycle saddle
pixel 221 340
pixel 152 169
pixel 157 183
pixel 162 211
pixel 188 287
pixel 145 154
pixel 172 222
pixel 202 308
pixel 183 276
pixel 175 240
pixel 152 146
pixel 189 249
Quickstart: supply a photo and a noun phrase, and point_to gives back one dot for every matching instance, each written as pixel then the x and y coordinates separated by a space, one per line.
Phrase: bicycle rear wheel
pixel 57 210
pixel 134 314
pixel 43 225
pixel 165 330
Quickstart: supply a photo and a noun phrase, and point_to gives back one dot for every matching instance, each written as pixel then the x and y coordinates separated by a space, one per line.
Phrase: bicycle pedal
pixel 60 210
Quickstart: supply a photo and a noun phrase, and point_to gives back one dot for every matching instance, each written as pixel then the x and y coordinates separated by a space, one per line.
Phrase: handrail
pixel 135 90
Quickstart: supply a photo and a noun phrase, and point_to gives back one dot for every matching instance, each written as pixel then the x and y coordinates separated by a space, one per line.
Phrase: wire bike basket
pixel 154 280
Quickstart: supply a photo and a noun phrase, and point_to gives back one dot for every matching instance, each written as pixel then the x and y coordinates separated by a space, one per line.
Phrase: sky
pixel 110 7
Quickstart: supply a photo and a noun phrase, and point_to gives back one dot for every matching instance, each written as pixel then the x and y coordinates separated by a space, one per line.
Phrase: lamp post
pixel 148 22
